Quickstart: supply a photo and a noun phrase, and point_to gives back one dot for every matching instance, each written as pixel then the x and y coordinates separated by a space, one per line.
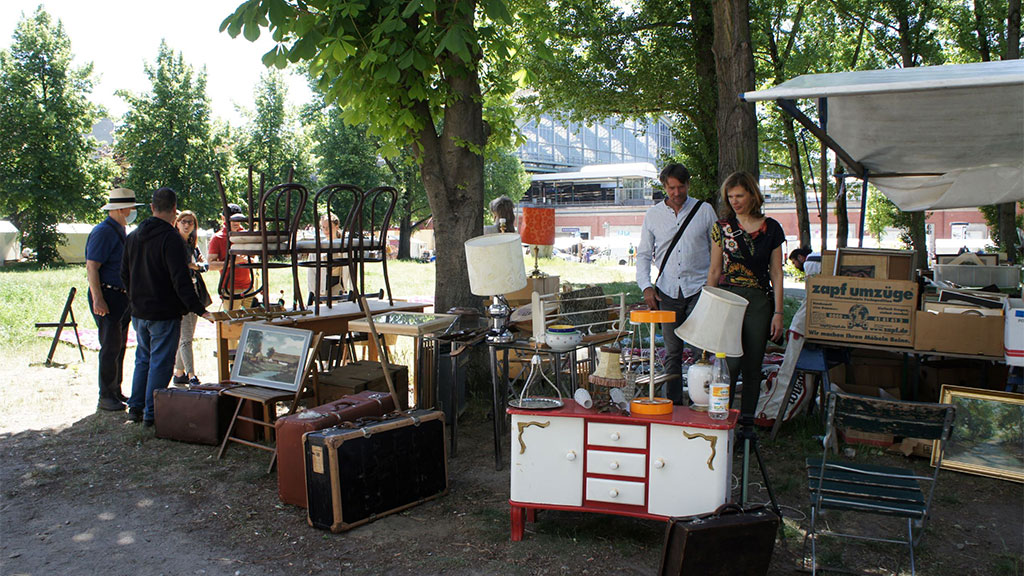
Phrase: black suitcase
pixel 730 541
pixel 356 474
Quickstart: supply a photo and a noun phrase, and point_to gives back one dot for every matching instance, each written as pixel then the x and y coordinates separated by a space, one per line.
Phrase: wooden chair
pixel 856 487
pixel 61 324
pixel 375 219
pixel 267 398
pixel 325 254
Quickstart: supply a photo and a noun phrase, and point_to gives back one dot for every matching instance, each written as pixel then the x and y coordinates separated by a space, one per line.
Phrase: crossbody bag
pixel 762 278
pixel 675 240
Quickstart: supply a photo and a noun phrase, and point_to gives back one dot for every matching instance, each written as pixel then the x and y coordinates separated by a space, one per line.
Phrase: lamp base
pixel 651 407
pixel 699 407
pixel 536 273
pixel 504 337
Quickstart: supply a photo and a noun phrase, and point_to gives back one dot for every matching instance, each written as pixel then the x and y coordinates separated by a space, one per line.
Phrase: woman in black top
pixel 746 259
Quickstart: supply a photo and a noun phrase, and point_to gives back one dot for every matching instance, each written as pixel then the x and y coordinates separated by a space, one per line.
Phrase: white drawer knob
pixel 613 492
pixel 613 465
pixel 570 456
pixel 659 463
pixel 614 436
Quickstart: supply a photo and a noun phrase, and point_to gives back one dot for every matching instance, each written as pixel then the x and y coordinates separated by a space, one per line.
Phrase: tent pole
pixel 863 206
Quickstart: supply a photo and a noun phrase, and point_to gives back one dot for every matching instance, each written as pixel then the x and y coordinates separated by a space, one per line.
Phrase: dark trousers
pixel 673 344
pixel 756 327
pixel 113 336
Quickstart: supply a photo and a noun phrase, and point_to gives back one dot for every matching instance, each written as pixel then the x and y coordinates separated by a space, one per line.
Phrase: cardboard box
pixel 959 333
pixel 546 285
pixel 875 263
pixel 861 310
pixel 1013 335
pixel 355 377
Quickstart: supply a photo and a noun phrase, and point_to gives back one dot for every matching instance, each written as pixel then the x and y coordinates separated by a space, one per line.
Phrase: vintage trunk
pixel 728 542
pixel 355 377
pixel 199 415
pixel 355 475
pixel 291 474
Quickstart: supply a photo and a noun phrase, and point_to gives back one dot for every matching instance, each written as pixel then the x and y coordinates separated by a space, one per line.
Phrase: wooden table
pixel 333 320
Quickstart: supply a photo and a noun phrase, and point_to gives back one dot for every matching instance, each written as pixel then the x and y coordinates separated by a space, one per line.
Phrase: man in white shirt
pixel 684 272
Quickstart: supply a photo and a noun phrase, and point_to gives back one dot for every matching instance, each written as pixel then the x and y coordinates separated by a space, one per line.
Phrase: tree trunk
pixel 404 237
pixel 1013 30
pixel 706 108
pixel 803 221
pixel 734 67
pixel 842 214
pixel 918 239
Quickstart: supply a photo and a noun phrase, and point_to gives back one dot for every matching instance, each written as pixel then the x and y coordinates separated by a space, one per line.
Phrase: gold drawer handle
pixel 713 440
pixel 524 426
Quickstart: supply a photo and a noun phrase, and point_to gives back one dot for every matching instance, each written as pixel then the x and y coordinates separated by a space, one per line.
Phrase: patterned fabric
pixel 736 270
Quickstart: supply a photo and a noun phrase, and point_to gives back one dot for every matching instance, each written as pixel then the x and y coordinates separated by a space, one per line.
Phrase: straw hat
pixel 121 198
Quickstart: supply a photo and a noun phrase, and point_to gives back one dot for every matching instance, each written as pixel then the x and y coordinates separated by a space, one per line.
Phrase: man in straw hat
pixel 108 298
pixel 155 270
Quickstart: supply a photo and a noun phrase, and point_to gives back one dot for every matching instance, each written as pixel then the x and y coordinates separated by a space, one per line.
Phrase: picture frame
pixel 988 433
pixel 271 356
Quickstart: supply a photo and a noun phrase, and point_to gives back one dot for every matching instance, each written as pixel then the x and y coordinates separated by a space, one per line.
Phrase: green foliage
pixel 342 153
pixel 975 419
pixel 48 172
pixel 882 214
pixel 273 141
pixel 991 213
pixel 166 137
pixel 504 175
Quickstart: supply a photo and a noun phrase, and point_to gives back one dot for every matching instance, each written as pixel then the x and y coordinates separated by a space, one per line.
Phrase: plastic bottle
pixel 718 390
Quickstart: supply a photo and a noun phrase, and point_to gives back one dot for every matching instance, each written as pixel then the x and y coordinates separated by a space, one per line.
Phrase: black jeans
pixel 757 322
pixel 673 345
pixel 113 335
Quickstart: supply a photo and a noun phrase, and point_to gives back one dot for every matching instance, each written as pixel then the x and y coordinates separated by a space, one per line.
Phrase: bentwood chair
pixel 864 488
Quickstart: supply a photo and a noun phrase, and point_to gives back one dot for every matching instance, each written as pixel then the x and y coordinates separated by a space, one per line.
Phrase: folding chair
pixel 268 398
pixel 872 489
pixel 61 324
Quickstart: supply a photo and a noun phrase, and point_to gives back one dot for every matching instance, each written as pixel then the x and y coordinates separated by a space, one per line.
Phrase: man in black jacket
pixel 160 291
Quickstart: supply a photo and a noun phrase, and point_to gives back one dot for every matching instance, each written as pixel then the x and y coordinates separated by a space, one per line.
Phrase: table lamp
pixel 714 325
pixel 651 406
pixel 538 230
pixel 496 267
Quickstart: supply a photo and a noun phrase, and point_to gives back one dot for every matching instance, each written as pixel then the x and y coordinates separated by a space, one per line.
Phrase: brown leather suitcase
pixel 291 474
pixel 730 541
pixel 362 375
pixel 355 475
pixel 194 415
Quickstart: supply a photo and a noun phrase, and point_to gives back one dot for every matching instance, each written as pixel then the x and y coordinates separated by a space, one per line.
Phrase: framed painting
pixel 988 433
pixel 271 356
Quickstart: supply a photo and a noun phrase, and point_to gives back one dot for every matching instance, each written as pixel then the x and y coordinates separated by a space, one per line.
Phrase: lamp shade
pixel 716 322
pixel 539 226
pixel 495 264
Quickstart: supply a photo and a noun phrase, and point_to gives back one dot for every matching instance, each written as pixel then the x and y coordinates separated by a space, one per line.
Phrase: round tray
pixel 536 403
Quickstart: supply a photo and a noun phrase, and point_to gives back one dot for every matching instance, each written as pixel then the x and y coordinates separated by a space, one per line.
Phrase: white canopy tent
pixel 930 137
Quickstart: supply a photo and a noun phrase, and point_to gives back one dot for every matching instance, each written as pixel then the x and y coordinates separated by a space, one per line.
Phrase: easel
pixel 68 311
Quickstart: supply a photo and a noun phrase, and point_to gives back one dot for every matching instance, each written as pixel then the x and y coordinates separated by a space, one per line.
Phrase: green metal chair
pixel 854 487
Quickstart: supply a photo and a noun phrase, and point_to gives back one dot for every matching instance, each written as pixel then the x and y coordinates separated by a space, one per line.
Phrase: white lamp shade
pixel 716 322
pixel 495 264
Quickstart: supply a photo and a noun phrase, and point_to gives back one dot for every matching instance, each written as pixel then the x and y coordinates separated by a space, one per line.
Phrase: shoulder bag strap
pixel 763 280
pixel 675 240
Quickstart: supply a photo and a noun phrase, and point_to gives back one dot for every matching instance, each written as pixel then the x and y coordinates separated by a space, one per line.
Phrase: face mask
pixel 131 217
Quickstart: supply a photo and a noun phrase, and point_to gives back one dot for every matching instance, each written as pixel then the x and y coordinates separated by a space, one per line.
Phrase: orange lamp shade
pixel 648 316
pixel 538 226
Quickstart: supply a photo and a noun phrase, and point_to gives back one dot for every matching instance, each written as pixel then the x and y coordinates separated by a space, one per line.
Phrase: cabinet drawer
pixel 616 463
pixel 615 491
pixel 617 435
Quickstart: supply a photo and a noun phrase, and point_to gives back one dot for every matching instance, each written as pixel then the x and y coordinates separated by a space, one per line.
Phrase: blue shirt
pixel 106 246
pixel 686 271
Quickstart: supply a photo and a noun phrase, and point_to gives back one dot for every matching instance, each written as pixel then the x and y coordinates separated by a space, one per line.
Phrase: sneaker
pixel 147 423
pixel 194 381
pixel 183 379
pixel 110 405
pixel 135 415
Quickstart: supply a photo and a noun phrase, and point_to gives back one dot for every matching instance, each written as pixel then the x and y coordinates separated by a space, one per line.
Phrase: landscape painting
pixel 271 356
pixel 988 433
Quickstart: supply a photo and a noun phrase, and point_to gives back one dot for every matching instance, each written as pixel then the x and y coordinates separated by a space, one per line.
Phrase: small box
pixel 355 377
pixel 959 333
pixel 542 286
pixel 875 263
pixel 1013 335
pixel 861 310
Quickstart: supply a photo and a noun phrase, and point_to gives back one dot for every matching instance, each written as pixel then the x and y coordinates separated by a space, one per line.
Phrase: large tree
pixel 166 139
pixel 48 168
pixel 414 72
pixel 274 143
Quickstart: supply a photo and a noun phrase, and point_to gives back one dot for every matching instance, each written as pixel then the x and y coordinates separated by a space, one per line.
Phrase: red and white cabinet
pixel 651 467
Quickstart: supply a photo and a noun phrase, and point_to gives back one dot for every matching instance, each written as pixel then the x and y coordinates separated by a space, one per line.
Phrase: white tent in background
pixel 73 252
pixel 930 137
pixel 10 242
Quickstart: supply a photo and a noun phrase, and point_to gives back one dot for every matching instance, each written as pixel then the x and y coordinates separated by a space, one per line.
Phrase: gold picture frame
pixel 988 433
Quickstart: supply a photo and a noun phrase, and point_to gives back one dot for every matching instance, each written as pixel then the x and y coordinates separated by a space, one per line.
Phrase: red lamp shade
pixel 538 226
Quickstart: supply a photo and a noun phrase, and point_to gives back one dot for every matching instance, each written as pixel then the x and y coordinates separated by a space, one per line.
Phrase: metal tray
pixel 536 403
